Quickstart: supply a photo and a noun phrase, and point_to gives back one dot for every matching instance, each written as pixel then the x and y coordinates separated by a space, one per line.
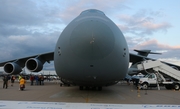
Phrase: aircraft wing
pixel 134 58
pixel 46 56
pixel 141 56
pixel 33 63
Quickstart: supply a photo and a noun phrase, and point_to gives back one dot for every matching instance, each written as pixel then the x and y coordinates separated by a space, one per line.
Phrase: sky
pixel 30 27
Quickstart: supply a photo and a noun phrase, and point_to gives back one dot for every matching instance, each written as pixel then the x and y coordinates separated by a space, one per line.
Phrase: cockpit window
pixel 92 11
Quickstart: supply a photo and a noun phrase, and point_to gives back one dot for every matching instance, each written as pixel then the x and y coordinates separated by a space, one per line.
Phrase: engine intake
pixel 133 71
pixel 12 68
pixel 34 65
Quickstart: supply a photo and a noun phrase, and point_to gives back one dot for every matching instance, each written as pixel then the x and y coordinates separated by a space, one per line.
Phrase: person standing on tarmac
pixel 36 78
pixel 5 82
pixel 32 79
pixel 22 83
pixel 12 80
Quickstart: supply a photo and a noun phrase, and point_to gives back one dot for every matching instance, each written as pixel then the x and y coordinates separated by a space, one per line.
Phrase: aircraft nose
pixel 92 40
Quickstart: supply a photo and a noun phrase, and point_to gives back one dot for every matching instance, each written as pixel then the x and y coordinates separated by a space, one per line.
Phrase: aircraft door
pixel 152 79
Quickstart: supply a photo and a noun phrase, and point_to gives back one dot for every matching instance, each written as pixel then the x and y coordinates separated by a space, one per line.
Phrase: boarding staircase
pixel 160 67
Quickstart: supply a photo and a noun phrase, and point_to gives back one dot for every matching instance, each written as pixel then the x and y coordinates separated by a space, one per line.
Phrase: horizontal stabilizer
pixel 145 52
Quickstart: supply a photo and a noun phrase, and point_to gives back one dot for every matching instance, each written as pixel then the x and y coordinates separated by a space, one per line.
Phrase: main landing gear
pixel 87 88
pixel 61 84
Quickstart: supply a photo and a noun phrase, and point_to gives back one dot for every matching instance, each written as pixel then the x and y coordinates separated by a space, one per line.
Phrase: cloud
pixel 75 7
pixel 19 13
pixel 146 23
pixel 29 27
pixel 25 45
pixel 25 17
pixel 154 44
pixel 142 23
pixel 169 53
pixel 24 24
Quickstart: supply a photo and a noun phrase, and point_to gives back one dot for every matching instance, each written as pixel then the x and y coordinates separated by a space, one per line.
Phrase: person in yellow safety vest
pixel 20 77
pixel 22 82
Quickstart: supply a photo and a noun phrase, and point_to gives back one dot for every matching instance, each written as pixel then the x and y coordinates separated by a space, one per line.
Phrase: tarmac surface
pixel 121 93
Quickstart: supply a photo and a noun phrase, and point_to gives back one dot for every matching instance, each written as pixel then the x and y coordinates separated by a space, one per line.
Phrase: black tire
pixel 99 88
pixel 80 87
pixel 168 86
pixel 176 86
pixel 145 86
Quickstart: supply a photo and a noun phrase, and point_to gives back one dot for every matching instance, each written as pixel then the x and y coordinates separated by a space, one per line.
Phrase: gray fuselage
pixel 91 51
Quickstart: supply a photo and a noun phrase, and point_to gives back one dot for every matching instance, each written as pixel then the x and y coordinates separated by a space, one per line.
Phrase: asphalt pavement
pixel 121 93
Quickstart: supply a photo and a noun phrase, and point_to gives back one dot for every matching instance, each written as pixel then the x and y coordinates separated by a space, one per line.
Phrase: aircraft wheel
pixel 145 86
pixel 94 88
pixel 80 87
pixel 61 84
pixel 176 86
pixel 87 88
pixel 99 88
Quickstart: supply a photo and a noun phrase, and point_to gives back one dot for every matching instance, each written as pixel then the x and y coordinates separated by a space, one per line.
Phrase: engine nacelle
pixel 12 68
pixel 34 65
pixel 133 71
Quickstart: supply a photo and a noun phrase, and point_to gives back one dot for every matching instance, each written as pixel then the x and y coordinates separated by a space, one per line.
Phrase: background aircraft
pixel 91 51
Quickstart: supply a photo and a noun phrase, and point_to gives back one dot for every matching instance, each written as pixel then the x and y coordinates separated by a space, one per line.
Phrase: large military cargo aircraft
pixel 91 51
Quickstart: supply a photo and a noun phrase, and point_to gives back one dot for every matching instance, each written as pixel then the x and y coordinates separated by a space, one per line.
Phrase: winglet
pixel 145 52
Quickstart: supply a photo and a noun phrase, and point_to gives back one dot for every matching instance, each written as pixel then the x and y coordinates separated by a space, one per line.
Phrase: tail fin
pixel 145 52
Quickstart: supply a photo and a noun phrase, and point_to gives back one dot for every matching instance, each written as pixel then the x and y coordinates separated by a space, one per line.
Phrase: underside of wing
pixel 33 63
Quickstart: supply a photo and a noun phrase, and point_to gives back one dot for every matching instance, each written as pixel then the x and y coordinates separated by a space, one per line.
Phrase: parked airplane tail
pixel 145 52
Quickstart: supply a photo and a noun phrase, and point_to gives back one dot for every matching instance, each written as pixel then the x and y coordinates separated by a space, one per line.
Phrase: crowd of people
pixel 34 80
pixel 39 79
pixel 12 78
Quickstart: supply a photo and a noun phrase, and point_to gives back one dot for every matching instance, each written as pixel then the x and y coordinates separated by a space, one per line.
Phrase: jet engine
pixel 34 64
pixel 133 71
pixel 12 68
